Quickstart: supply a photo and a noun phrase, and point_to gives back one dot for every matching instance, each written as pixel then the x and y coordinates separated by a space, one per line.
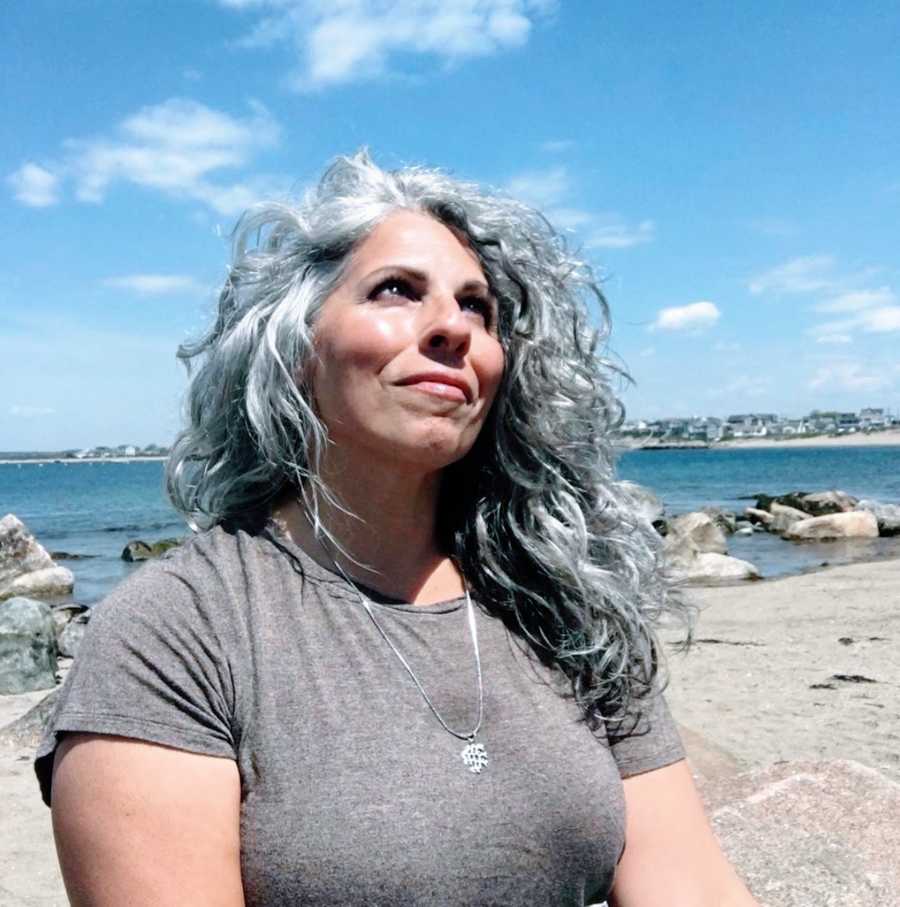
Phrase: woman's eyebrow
pixel 470 286
pixel 413 273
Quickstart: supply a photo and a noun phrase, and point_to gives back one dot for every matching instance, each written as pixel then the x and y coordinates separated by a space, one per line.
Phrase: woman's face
pixel 408 355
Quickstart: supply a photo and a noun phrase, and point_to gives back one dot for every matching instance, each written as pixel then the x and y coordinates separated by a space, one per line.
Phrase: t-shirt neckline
pixel 348 588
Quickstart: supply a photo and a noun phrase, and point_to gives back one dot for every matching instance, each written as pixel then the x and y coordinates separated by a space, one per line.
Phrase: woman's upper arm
pixel 671 854
pixel 142 824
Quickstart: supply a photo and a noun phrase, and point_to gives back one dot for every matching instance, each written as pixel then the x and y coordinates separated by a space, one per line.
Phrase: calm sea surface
pixel 94 509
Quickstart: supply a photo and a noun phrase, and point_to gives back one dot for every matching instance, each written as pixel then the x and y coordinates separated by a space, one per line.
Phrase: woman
pixel 412 657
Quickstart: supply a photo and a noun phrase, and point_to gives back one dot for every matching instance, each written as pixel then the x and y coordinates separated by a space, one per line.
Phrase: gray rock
pixel 69 638
pixel 27 646
pixel 853 525
pixel 645 502
pixel 784 516
pixel 886 515
pixel 27 730
pixel 62 614
pixel 702 531
pixel 25 566
pixel 724 519
pixel 758 517
pixel 811 833
pixel 822 503
pixel 137 550
pixel 709 567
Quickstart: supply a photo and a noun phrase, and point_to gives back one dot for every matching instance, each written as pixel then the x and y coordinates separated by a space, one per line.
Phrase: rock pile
pixel 823 516
pixel 25 566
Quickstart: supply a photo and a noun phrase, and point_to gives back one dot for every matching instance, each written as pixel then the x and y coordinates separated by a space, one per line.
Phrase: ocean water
pixel 94 509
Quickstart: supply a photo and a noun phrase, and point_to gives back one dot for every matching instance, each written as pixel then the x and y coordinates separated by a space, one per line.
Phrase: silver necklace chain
pixel 474 755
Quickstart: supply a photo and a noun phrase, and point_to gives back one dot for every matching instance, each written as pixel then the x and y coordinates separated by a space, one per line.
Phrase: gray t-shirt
pixel 352 793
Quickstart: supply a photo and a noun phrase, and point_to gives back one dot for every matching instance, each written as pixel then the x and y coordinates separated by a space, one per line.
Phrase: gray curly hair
pixel 546 536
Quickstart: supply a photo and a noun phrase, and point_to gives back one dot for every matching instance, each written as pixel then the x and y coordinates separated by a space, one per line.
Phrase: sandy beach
pixel 888 438
pixel 761 686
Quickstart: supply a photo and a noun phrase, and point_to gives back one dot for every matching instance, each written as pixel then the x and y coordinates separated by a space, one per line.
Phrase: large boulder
pixel 783 516
pixel 645 502
pixel 27 646
pixel 726 520
pixel 25 566
pixel 27 730
pixel 810 833
pixel 758 517
pixel 701 529
pixel 816 503
pixel 854 525
pixel 886 515
pixel 137 550
pixel 709 567
pixel 821 503
pixel 69 638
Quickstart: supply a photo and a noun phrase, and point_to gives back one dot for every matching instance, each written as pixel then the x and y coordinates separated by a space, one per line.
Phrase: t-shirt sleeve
pixel 652 742
pixel 152 666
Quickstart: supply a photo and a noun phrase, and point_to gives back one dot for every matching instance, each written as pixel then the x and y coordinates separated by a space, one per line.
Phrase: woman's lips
pixel 438 389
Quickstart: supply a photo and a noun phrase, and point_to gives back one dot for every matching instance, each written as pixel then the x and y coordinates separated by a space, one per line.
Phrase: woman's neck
pixel 391 533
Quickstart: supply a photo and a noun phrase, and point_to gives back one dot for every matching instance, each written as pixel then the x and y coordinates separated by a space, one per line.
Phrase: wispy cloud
pixel 156 284
pixel 857 300
pixel 834 338
pixel 25 411
pixel 695 316
pixel 799 275
pixel 180 148
pixel 617 235
pixel 34 185
pixel 847 375
pixel 551 189
pixel 557 146
pixel 341 42
pixel 743 386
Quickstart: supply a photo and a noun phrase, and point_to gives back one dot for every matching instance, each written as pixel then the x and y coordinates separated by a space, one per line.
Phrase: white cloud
pixel 881 320
pixel 557 146
pixel 541 188
pixel 834 338
pixel 30 412
pixel 341 42
pixel 727 346
pixel 856 300
pixel 617 235
pixel 687 317
pixel 155 284
pixel 177 147
pixel 647 352
pixel 549 190
pixel 34 185
pixel 846 375
pixel 799 275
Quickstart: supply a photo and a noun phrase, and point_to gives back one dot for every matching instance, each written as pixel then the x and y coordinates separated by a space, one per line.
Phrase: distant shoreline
pixel 67 460
pixel 888 438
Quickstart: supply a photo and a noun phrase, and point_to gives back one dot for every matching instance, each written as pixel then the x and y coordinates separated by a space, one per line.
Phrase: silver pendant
pixel 475 757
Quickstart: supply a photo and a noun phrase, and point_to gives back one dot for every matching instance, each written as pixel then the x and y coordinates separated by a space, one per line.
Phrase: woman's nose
pixel 446 326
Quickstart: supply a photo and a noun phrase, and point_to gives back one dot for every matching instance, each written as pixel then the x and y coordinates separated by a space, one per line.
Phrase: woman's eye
pixel 394 286
pixel 478 304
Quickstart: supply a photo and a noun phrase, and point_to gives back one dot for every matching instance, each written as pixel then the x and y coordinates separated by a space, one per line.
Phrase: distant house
pixel 750 425
pixel 873 418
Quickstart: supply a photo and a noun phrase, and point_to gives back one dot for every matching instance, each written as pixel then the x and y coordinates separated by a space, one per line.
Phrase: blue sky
pixel 732 170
